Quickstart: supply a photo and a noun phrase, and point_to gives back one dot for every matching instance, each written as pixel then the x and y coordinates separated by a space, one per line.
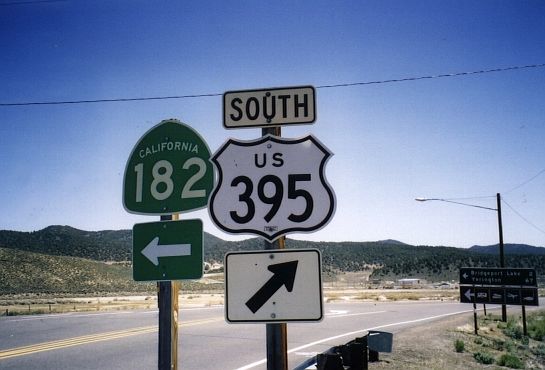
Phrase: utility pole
pixel 502 259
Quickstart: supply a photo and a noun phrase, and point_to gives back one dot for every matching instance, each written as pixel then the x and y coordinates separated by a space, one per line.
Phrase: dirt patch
pixel 432 346
pixel 42 304
pixel 428 346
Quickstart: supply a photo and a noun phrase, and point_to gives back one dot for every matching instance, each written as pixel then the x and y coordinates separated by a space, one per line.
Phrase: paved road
pixel 128 340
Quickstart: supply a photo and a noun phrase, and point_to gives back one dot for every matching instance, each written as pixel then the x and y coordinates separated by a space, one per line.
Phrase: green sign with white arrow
pixel 168 250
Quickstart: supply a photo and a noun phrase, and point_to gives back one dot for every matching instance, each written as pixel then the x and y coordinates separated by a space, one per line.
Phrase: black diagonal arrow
pixel 284 274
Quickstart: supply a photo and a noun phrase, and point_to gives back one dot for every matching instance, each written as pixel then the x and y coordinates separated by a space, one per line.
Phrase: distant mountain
pixel 386 259
pixel 390 261
pixel 391 241
pixel 524 249
pixel 107 245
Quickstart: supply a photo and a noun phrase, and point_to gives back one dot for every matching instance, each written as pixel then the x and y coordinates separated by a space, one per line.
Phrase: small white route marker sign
pixel 273 286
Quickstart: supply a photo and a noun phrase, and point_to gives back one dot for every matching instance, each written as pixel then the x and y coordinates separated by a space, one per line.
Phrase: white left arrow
pixel 153 250
pixel 468 294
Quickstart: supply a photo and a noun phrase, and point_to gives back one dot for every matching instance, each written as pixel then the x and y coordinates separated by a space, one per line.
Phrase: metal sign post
pixel 475 312
pixel 168 172
pixel 167 298
pixel 168 324
pixel 277 334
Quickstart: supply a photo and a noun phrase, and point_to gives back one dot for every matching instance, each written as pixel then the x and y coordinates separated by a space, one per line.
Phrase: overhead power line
pixel 526 182
pixel 523 218
pixel 63 102
pixel 12 3
pixel 451 201
pixel 472 198
pixel 350 84
pixel 457 74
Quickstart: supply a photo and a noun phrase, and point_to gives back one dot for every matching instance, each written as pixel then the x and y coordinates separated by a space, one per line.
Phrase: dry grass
pixel 40 304
pixel 390 295
pixel 433 346
pixel 37 305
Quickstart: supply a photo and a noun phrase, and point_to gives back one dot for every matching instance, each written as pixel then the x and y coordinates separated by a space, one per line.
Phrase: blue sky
pixel 457 137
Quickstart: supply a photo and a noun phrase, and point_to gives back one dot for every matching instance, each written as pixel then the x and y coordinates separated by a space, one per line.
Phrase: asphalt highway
pixel 128 339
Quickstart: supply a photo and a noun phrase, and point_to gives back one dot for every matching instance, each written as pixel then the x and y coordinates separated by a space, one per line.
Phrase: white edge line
pixel 68 315
pixel 65 315
pixel 334 315
pixel 260 362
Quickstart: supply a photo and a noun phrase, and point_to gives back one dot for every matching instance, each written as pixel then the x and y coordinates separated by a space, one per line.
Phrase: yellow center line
pixel 93 338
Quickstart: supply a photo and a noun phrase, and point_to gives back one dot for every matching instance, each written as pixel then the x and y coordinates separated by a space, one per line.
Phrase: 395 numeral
pixel 274 199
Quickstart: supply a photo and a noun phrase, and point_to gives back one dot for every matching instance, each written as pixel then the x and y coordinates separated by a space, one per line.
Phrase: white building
pixel 410 283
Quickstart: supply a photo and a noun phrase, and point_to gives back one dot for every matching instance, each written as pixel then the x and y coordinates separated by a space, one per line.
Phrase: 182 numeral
pixel 162 174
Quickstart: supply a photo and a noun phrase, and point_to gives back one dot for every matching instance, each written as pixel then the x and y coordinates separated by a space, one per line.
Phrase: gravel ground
pixel 429 347
pixel 432 347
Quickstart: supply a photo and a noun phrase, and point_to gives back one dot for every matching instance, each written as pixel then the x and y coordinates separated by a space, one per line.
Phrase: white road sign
pixel 269 107
pixel 273 286
pixel 272 186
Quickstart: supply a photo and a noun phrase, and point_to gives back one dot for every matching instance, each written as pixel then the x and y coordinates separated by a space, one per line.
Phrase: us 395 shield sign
pixel 272 186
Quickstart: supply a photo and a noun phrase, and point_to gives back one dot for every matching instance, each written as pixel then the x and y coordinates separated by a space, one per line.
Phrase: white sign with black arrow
pixel 273 286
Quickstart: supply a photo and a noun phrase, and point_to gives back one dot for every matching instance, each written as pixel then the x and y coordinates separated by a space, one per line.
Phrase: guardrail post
pixel 373 356
pixel 358 356
pixel 365 359
pixel 329 361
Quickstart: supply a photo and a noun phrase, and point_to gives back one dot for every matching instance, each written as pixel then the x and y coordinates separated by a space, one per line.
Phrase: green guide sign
pixel 168 171
pixel 168 250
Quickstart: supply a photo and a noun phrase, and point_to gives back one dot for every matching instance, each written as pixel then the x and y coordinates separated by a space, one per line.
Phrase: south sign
pixel 272 186
pixel 269 107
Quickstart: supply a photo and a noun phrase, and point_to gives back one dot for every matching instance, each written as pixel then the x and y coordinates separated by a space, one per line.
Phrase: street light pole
pixel 500 229
pixel 502 260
